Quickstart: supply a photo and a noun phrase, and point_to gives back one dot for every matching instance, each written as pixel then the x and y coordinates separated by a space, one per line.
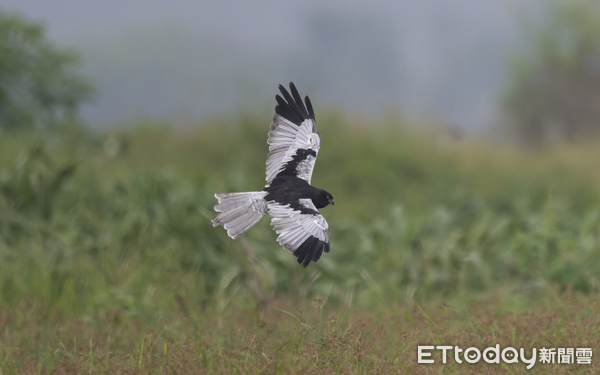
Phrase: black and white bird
pixel 288 197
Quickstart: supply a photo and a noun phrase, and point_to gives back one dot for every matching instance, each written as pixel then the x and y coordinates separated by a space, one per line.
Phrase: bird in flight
pixel 288 197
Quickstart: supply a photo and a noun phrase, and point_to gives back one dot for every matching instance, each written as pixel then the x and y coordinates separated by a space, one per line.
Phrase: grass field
pixel 109 262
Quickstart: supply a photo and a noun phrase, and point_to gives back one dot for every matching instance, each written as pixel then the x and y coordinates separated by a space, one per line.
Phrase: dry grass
pixel 310 339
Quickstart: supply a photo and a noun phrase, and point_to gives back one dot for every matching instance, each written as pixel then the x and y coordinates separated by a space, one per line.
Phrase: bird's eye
pixel 328 197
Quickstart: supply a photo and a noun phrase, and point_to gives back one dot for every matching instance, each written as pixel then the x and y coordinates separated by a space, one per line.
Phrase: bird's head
pixel 324 199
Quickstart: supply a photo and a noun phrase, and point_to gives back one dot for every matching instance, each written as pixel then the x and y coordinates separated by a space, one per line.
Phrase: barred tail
pixel 239 211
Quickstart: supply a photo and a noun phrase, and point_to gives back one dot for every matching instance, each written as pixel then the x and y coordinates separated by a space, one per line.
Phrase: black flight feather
pixel 291 107
pixel 286 111
pixel 310 250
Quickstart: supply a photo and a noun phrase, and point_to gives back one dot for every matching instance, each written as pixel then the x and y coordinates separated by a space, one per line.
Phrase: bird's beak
pixel 331 201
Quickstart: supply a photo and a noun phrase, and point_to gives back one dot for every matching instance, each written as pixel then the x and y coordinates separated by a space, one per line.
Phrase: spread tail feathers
pixel 239 211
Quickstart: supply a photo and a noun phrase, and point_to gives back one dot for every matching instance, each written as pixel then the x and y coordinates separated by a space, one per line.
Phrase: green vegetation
pixel 107 253
pixel 39 86
pixel 554 80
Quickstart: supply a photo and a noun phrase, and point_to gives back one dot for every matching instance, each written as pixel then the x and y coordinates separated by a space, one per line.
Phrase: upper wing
pixel 293 139
pixel 302 230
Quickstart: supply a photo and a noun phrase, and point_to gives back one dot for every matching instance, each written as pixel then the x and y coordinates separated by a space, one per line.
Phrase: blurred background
pixel 472 127
pixel 465 64
pixel 186 60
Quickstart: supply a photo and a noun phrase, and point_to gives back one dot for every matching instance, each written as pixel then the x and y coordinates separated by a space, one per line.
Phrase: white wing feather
pixel 294 227
pixel 285 138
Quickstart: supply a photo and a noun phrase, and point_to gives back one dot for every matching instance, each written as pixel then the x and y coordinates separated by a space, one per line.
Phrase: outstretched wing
pixel 293 139
pixel 301 229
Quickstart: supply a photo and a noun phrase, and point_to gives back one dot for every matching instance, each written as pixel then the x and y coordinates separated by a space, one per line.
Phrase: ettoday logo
pixel 507 355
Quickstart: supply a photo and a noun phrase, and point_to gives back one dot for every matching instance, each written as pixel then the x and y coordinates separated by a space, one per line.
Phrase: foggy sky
pixel 184 60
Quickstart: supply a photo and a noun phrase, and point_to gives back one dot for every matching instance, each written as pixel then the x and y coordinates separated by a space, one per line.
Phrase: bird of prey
pixel 288 197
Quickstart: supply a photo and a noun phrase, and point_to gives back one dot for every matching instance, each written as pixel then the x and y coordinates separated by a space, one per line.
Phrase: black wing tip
pixel 311 112
pixel 293 91
pixel 291 106
pixel 311 250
